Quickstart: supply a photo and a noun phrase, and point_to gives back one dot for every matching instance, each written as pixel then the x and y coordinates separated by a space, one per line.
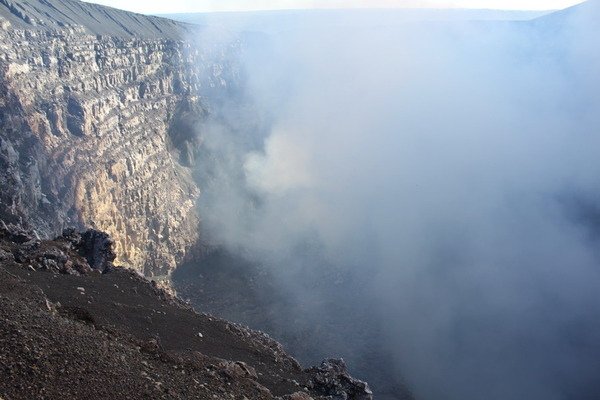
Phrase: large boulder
pixel 95 246
pixel 331 378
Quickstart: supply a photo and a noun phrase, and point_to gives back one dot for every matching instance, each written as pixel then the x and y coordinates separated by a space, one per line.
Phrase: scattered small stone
pixel 238 369
pixel 5 256
pixel 298 396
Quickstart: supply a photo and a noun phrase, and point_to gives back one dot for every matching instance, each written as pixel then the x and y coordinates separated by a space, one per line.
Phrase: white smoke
pixel 284 166
pixel 452 170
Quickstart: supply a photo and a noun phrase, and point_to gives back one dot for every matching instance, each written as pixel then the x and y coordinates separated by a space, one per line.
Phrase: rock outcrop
pixel 331 378
pixel 97 110
pixel 72 253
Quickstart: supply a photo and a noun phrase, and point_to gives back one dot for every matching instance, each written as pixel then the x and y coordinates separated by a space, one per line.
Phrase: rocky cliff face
pixel 95 125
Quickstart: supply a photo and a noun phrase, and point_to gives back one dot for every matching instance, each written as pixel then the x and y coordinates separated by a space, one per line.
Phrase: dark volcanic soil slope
pixel 45 354
pixel 84 334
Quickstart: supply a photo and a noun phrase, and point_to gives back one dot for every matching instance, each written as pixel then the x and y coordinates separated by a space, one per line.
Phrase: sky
pixel 181 6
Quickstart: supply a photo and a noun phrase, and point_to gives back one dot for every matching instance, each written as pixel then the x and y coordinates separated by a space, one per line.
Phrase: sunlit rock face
pixel 90 126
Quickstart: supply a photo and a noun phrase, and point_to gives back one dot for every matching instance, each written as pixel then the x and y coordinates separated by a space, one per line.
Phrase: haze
pixel 429 189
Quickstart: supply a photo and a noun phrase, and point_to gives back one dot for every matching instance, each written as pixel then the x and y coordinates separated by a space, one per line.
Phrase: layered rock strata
pixel 97 110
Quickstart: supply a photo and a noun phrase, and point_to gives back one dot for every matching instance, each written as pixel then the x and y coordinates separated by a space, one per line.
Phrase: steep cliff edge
pixel 89 133
pixel 98 109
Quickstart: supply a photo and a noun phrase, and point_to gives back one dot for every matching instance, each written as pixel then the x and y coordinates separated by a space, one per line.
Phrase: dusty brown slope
pixel 68 331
